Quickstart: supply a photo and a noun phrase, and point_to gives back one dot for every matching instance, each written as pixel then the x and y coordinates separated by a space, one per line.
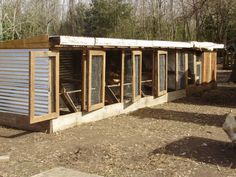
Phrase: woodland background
pixel 181 20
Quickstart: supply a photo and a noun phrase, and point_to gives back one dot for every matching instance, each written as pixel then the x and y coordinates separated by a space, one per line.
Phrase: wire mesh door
pixel 43 86
pixel 181 84
pixel 162 62
pixel 96 80
pixel 160 73
pixel 137 74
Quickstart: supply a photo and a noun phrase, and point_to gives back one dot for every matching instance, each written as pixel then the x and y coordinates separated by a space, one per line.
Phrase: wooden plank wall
pixel 214 65
pixel 209 66
pixel 37 42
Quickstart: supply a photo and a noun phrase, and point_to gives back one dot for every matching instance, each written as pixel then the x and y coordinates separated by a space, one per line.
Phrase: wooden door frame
pixel 134 97
pixel 92 53
pixel 51 115
pixel 162 52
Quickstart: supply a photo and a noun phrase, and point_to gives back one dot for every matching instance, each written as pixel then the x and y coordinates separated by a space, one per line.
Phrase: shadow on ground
pixel 162 114
pixel 223 96
pixel 15 135
pixel 201 150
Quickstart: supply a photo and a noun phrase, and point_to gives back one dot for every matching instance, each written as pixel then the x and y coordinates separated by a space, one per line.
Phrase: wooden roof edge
pixel 36 42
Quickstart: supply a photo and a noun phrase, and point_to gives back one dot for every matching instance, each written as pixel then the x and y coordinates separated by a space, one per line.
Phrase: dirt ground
pixel 179 139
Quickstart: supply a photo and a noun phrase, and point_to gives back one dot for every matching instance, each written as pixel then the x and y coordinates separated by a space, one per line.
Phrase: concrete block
pixel 4 158
pixel 64 172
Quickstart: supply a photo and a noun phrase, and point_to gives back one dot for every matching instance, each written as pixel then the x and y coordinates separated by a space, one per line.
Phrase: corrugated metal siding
pixel 41 86
pixel 66 71
pixel 66 68
pixel 14 82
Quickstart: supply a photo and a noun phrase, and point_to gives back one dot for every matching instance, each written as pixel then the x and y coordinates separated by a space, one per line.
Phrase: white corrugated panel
pixel 113 42
pixel 14 82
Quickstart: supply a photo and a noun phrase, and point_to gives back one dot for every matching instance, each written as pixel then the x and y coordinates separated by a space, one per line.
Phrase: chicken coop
pixel 50 83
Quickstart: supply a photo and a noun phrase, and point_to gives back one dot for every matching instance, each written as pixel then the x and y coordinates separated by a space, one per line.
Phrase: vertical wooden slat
pixel 153 73
pixel 122 76
pixel 140 74
pixel 57 88
pixel 156 74
pixel 195 66
pixel 31 85
pixel 89 69
pixel 176 70
pixel 209 68
pixel 186 69
pixel 103 78
pixel 166 72
pixel 84 79
pixel 133 77
pixel 204 74
pixel 215 73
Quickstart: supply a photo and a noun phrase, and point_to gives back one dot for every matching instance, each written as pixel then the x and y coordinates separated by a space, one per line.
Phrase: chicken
pixel 229 126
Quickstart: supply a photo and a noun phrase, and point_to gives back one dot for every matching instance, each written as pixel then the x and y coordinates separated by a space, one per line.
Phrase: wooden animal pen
pixel 52 83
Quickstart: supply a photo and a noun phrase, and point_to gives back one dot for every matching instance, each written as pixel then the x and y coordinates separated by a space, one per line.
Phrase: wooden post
pixel 122 76
pixel 176 70
pixel 84 79
pixel 153 73
pixel 186 69
pixel 140 74
pixel 57 82
pixel 31 85
pixel 195 67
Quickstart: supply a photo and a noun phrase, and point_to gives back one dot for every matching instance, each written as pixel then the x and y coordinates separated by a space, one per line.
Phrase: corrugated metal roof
pixel 114 42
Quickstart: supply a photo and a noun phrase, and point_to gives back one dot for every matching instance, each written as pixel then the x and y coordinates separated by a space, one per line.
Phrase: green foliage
pixel 107 18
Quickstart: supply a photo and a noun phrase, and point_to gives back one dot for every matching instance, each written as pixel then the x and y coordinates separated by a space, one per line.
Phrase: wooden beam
pixel 69 102
pixel 111 96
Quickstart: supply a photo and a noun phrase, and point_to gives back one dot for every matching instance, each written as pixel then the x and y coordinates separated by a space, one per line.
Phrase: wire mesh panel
pixel 96 78
pixel 199 58
pixel 191 69
pixel 171 70
pixel 162 72
pixel 137 74
pixel 147 72
pixel 181 71
pixel 199 73
pixel 128 76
